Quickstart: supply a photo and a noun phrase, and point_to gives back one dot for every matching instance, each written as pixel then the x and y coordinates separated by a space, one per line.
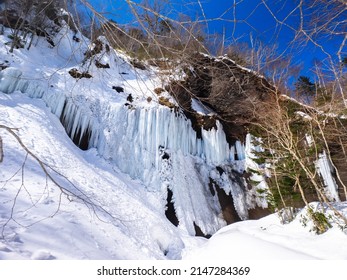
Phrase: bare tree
pixel 68 188
pixel 1 151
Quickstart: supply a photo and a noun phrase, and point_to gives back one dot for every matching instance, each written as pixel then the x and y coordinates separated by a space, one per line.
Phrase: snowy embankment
pixel 116 218
pixel 268 239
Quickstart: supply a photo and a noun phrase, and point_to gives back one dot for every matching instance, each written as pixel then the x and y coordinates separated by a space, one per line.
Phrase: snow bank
pixel 268 239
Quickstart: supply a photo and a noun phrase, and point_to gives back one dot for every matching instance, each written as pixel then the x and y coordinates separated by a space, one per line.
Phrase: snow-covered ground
pixel 110 200
pixel 268 239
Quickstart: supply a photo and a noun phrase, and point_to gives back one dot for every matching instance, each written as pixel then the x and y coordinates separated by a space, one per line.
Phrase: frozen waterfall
pixel 128 134
pixel 136 138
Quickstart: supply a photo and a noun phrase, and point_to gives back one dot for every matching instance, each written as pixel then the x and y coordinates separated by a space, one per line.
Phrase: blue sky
pixel 254 20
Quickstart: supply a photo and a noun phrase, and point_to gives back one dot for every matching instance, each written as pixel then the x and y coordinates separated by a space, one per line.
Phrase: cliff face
pixel 242 100
pixel 117 113
pixel 234 93
pixel 234 97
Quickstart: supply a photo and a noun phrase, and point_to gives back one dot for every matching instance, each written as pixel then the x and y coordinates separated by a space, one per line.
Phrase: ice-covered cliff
pixel 116 112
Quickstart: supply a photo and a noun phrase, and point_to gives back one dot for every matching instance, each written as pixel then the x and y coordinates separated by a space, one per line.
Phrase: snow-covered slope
pixel 115 216
pixel 268 239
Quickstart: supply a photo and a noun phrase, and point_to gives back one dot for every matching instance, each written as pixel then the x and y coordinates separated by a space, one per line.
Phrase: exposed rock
pixel 118 89
pixel 258 213
pixel 130 98
pixel 198 231
pixel 170 212
pixel 10 19
pixel 166 102
pixel 76 39
pixel 79 75
pixel 158 91
pixel 226 202
pixel 231 91
pixel 138 64
pixel 4 65
pixel 80 139
pixel 97 48
pixel 101 65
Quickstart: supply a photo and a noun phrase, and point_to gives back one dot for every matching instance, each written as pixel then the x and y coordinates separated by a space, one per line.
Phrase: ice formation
pixel 134 138
pixel 325 169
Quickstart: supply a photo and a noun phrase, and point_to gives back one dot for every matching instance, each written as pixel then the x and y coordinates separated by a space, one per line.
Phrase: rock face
pixel 232 92
pixel 236 95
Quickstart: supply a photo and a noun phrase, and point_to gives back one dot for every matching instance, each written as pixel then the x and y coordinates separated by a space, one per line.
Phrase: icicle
pixel 240 150
pixel 130 136
pixel 325 169
pixel 11 80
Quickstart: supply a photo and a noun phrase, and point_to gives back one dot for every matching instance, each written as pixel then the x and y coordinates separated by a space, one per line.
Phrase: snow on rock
pixel 67 48
pixel 42 255
pixel 258 174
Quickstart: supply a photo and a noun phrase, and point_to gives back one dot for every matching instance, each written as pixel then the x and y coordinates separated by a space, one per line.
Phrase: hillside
pixel 111 166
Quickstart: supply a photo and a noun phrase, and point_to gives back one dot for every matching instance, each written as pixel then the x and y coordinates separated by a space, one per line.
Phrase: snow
pixel 268 239
pixel 124 133
pixel 200 108
pixel 113 201
pixel 118 233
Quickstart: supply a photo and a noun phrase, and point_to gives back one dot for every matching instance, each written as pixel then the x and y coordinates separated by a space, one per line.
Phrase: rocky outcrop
pixel 234 93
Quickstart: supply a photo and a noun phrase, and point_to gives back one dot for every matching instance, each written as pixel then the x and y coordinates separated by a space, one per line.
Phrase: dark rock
pixel 258 213
pixel 198 232
pixel 158 91
pixel 138 64
pixel 165 156
pixel 98 47
pixel 170 212
pixel 220 170
pixel 226 202
pixel 79 75
pixel 101 65
pixel 227 89
pixel 76 39
pixel 118 88
pixel 130 98
pixel 166 102
pixel 10 19
pixel 3 66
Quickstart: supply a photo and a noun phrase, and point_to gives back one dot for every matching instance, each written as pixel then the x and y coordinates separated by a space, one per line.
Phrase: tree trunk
pixel 1 151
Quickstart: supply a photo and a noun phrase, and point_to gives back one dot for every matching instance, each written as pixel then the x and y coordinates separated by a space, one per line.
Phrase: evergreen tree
pixel 344 61
pixel 305 88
